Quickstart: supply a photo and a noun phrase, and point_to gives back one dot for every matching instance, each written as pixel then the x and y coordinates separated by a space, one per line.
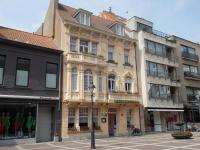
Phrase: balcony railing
pixel 170 58
pixel 86 58
pixel 122 97
pixel 173 97
pixel 192 75
pixel 187 55
pixel 192 99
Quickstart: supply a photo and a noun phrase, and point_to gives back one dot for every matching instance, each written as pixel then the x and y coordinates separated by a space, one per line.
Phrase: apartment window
pixel 73 44
pixel 163 91
pixel 111 82
pixel 159 91
pixel 71 117
pixel 84 18
pixel 126 57
pixel 110 53
pixel 94 48
pixel 159 49
pixel 143 27
pixel 84 48
pixel 128 84
pixel 129 117
pixel 100 84
pixel 74 79
pixel 96 118
pixel 161 70
pixel 51 75
pixel 83 118
pixel 191 69
pixel 188 50
pixel 152 68
pixel 154 91
pixel 22 74
pixel 2 67
pixel 88 79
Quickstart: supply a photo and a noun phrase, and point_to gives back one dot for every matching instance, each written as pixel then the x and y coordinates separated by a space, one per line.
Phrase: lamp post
pixel 92 87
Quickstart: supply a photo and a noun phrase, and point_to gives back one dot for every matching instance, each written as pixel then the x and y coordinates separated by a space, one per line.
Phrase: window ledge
pixel 128 65
pixel 112 61
pixel 22 87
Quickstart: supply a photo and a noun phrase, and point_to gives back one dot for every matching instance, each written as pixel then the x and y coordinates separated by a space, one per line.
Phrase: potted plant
pixel 181 134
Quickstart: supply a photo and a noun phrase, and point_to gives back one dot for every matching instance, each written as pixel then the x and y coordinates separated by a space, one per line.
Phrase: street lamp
pixel 91 88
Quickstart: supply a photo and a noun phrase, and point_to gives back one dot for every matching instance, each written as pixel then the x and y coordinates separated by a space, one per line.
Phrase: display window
pixel 17 121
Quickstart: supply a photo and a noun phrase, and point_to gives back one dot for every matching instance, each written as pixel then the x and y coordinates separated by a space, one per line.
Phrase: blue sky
pixel 177 17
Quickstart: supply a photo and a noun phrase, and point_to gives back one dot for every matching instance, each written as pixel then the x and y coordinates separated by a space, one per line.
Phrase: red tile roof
pixel 27 38
pixel 97 22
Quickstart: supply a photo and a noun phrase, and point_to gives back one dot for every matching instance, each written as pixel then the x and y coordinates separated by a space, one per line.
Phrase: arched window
pixel 111 82
pixel 128 84
pixel 88 79
pixel 74 76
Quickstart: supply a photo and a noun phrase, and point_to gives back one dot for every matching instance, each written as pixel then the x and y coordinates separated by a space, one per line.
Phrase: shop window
pixel 51 75
pixel 22 72
pixel 19 121
pixel 88 79
pixel 2 68
pixel 71 118
pixel 74 76
pixel 83 118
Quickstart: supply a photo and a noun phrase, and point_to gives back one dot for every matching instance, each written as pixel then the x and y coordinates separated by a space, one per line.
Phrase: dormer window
pixel 118 29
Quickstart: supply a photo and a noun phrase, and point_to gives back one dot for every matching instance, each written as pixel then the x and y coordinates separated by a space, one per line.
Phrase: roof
pixel 27 38
pixel 97 22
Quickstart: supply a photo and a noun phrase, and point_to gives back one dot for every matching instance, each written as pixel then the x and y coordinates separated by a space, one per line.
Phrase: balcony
pixel 192 76
pixel 189 56
pixel 86 58
pixel 123 97
pixel 192 99
pixel 171 59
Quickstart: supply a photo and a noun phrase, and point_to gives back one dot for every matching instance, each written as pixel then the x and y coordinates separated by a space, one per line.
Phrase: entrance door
pixel 111 124
pixel 44 123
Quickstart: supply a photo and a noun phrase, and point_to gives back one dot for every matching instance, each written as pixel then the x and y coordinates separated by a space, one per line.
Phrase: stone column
pixel 64 127
pixel 81 81
pixel 77 118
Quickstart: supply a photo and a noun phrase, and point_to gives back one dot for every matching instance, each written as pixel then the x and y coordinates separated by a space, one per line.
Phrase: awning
pixel 167 110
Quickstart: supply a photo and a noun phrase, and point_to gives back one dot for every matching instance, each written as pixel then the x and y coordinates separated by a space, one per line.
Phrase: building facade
pixel 189 53
pixel 29 87
pixel 97 51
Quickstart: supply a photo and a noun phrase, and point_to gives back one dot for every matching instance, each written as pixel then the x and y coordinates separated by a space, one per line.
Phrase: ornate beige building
pixel 96 50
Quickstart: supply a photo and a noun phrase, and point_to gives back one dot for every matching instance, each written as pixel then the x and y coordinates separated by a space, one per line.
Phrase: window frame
pixel 71 116
pixel 29 60
pixel 110 53
pixel 72 44
pixel 74 75
pixel 89 76
pixel 4 66
pixel 112 82
pixel 84 46
pixel 57 68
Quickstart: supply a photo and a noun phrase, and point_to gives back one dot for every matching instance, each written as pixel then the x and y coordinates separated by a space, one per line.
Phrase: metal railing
pixel 192 75
pixel 190 56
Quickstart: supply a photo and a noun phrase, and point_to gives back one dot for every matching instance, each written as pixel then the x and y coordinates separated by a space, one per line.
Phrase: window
pixel 190 69
pixel 84 46
pixel 74 79
pixel 154 69
pixel 95 115
pixel 161 70
pixel 163 91
pixel 94 48
pixel 71 117
pixel 129 117
pixel 119 29
pixel 84 18
pixel 110 53
pixel 188 52
pixel 83 118
pixel 128 84
pixel 100 84
pixel 51 75
pixel 111 82
pixel 88 79
pixel 22 73
pixel 126 57
pixel 159 91
pixel 2 67
pixel 154 91
pixel 72 44
pixel 143 27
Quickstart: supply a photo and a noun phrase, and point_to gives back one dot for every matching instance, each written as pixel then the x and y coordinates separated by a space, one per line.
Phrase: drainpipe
pixel 60 96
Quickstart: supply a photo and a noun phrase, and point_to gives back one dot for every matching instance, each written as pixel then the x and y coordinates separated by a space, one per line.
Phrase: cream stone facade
pixel 158 75
pixel 94 53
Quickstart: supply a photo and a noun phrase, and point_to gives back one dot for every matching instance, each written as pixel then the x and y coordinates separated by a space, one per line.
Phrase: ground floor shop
pixel 27 120
pixel 109 119
pixel 162 120
pixel 192 114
